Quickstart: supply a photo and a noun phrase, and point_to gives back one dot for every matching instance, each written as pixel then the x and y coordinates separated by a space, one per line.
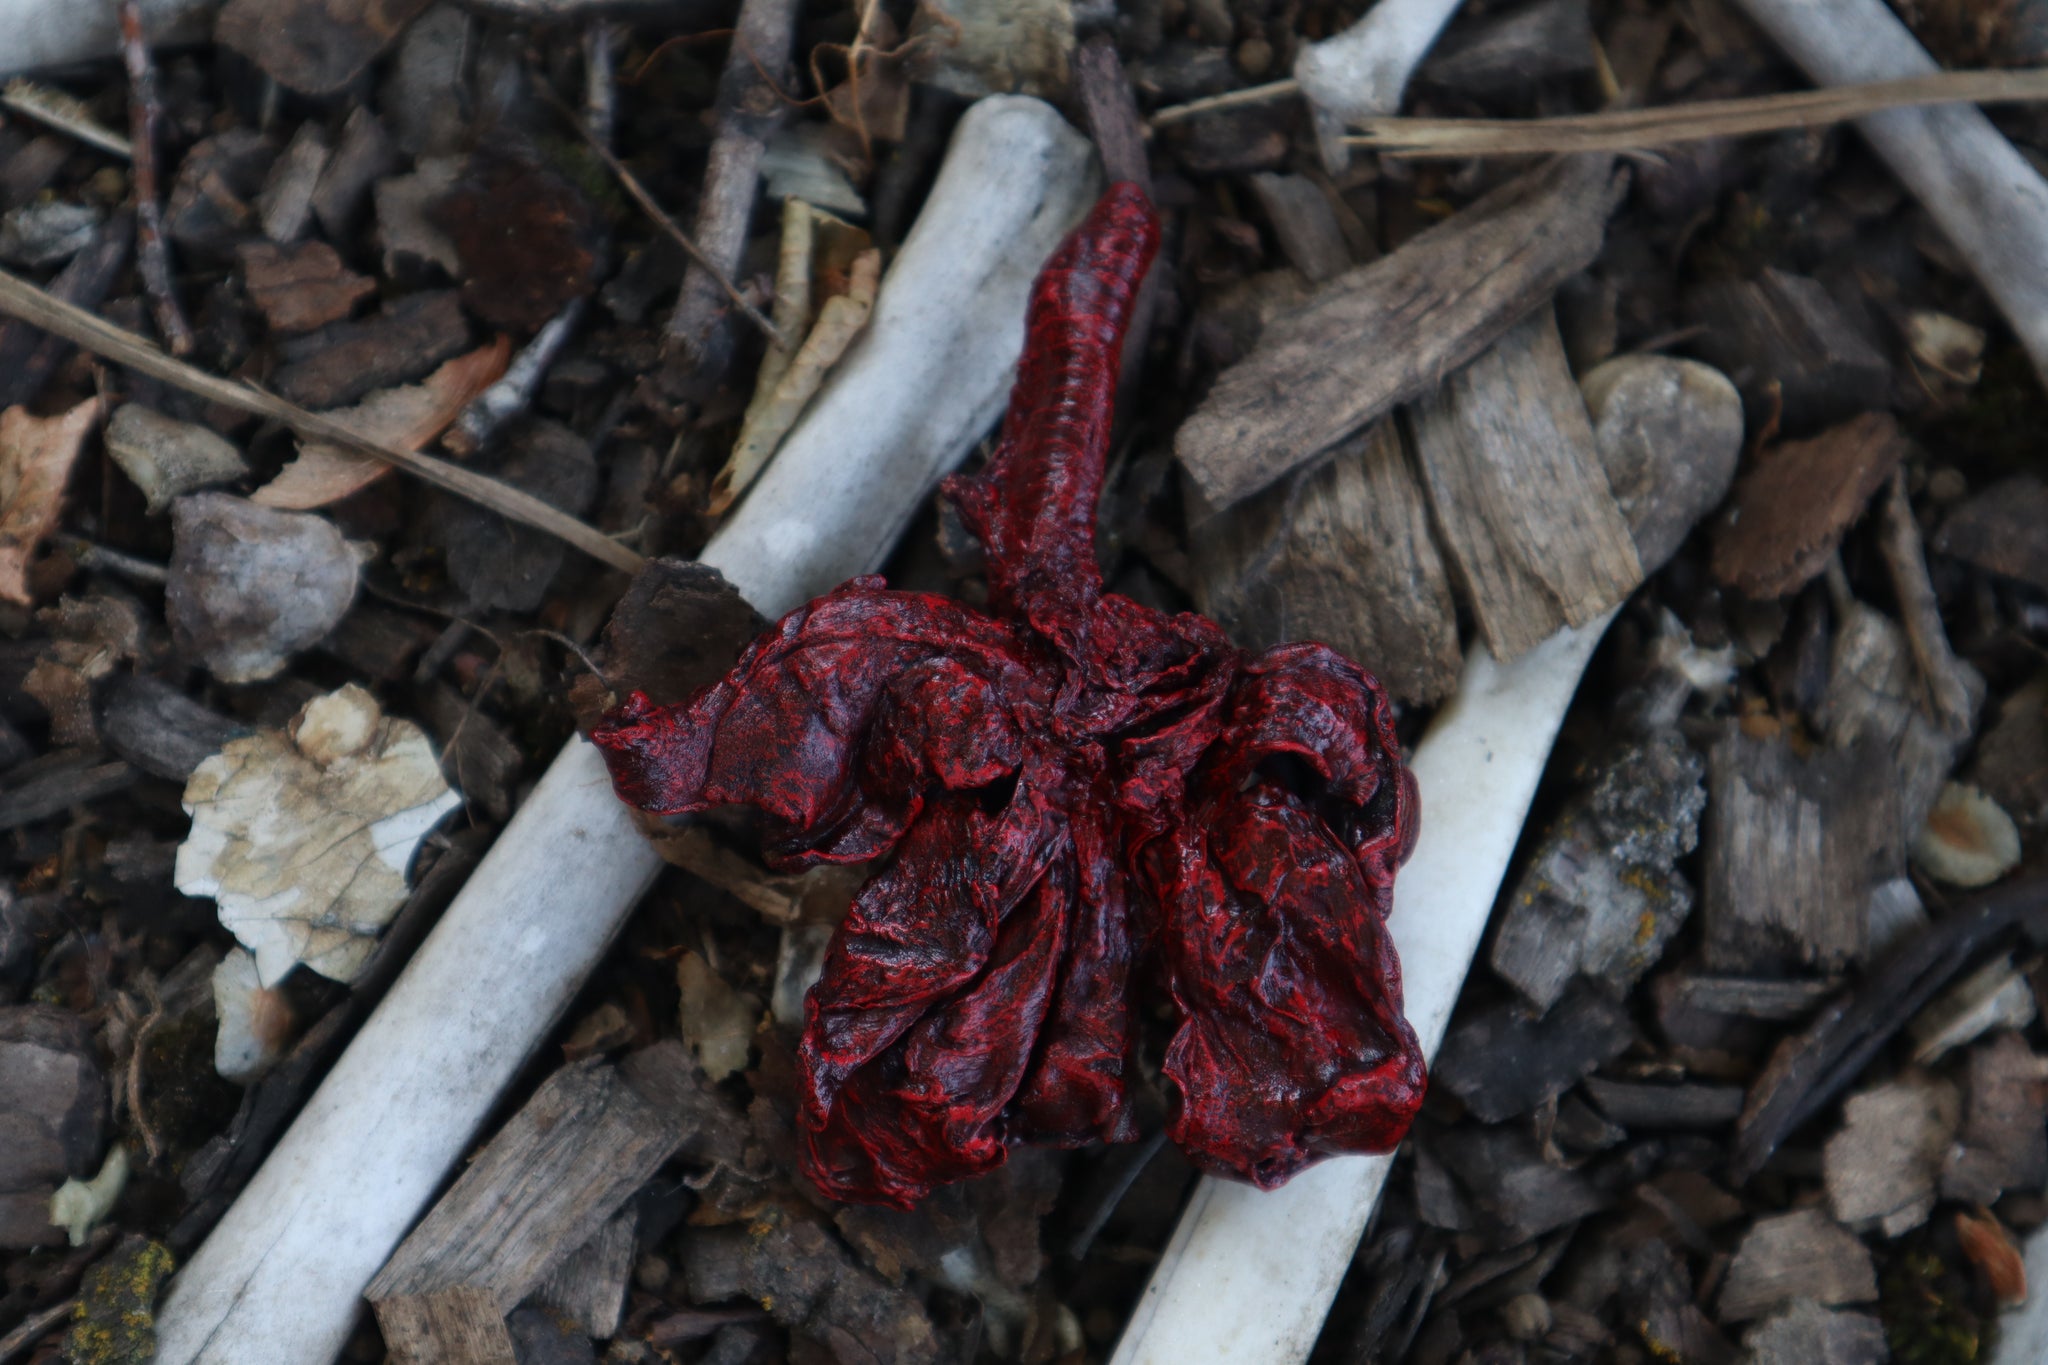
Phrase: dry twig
pixel 55 109
pixel 34 1328
pixel 152 255
pixel 36 307
pixel 1628 129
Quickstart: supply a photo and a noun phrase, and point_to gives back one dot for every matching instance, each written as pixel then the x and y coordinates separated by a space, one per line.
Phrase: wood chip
pixel 298 289
pixel 1793 849
pixel 313 46
pixel 1999 530
pixel 589 1286
pixel 2003 1144
pixel 1807 1334
pixel 1505 1062
pixel 1535 537
pixel 1790 512
pixel 1382 333
pixel 285 204
pixel 543 1187
pixel 1657 1106
pixel 1341 554
pixel 1508 1181
pixel 1789 348
pixel 1881 1167
pixel 1799 1255
pixel 341 362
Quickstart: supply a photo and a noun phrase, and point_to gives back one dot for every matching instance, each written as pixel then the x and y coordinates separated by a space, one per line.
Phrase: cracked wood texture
pixel 1341 554
pixel 1521 499
pixel 1383 333
pixel 543 1187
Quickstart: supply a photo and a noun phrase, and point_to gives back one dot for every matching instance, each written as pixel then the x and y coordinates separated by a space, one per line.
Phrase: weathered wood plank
pixel 1519 493
pixel 1382 333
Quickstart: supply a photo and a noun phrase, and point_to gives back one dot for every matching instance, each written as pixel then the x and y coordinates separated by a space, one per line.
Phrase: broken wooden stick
pixel 1987 197
pixel 282 1275
pixel 1621 130
pixel 1382 333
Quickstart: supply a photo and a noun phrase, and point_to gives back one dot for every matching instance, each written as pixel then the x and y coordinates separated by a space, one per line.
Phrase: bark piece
pixel 542 1188
pixel 314 46
pixel 1519 494
pixel 1799 1255
pixel 1995 996
pixel 36 455
pixel 1669 433
pixel 300 288
pixel 806 1280
pixel 1505 1062
pixel 305 836
pixel 2003 1144
pixel 996 47
pixel 1794 847
pixel 1341 554
pixel 1790 512
pixel 1603 894
pixel 159 729
pixel 1509 1182
pixel 1385 332
pixel 1999 530
pixel 1649 1105
pixel 250 586
pixel 1881 1167
pixel 53 1114
pixel 1805 1333
pixel 56 783
pixel 166 458
pixel 478 758
pixel 345 360
pixel 1789 348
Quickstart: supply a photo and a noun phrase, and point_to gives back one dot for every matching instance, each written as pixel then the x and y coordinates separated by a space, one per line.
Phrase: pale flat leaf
pixel 407 418
pixel 36 455
pixel 304 835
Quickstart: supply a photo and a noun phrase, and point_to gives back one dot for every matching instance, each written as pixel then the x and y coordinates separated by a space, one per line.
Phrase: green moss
pixel 1928 1316
pixel 115 1322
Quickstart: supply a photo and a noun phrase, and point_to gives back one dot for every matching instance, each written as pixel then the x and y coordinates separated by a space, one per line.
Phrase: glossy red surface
pixel 1065 791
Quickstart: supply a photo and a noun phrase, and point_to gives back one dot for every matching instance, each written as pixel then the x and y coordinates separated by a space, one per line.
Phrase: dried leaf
pixel 36 455
pixel 1990 1248
pixel 407 417
pixel 90 637
pixel 304 835
pixel 769 420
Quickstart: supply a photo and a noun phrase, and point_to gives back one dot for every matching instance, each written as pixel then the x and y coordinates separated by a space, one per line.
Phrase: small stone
pixel 1254 57
pixel 1948 347
pixel 1669 433
pixel 1969 840
pixel 250 586
pixel 166 458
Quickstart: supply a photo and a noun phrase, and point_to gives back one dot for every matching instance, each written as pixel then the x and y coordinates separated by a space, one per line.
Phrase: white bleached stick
pixel 43 33
pixel 282 1276
pixel 1989 200
pixel 1363 71
pixel 1249 1274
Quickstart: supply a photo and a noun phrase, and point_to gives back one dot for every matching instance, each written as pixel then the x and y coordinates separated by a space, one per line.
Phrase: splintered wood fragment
pixel 1791 510
pixel 1305 224
pixel 1793 848
pixel 1621 130
pixel 588 1287
pixel 1110 109
pixel 1379 334
pixel 543 1187
pixel 1949 689
pixel 1341 554
pixel 1516 483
